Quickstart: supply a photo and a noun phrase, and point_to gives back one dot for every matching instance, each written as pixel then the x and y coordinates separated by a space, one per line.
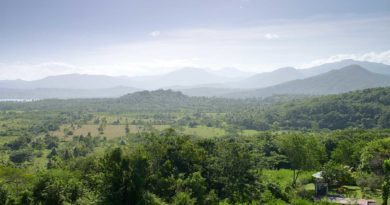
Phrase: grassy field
pixel 283 177
pixel 249 132
pixel 109 131
pixel 114 131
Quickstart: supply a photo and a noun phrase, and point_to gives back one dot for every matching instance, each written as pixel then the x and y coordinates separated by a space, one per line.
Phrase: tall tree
pixel 386 183
pixel 303 153
pixel 125 177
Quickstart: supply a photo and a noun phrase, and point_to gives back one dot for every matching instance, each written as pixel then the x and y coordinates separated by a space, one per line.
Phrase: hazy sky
pixel 48 37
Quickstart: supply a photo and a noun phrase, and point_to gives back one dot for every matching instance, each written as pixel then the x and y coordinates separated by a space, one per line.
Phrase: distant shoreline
pixel 17 100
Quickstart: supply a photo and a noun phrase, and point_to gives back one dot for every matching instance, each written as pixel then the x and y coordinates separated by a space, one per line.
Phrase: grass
pixel 249 132
pixel 309 187
pixel 283 177
pixel 161 127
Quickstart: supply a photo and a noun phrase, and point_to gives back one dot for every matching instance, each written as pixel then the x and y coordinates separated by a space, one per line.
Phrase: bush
pixel 21 156
pixel 3 195
pixel 19 143
pixel 277 192
pixel 57 187
pixel 371 181
pixel 183 198
pixel 336 175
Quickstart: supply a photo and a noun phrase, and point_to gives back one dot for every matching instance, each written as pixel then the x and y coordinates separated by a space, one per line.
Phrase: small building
pixel 321 187
pixel 321 190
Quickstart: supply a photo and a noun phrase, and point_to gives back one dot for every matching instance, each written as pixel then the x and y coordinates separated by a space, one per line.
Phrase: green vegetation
pixel 163 147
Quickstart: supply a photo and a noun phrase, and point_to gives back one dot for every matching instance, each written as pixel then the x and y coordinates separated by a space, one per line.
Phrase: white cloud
pixel 248 47
pixel 271 36
pixel 154 33
pixel 377 57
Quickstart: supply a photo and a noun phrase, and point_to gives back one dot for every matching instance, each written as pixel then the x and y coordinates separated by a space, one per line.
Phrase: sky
pixel 147 37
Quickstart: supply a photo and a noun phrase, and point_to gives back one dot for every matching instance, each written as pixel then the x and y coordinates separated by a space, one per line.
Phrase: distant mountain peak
pixel 369 66
pixel 349 60
pixel 277 76
pixel 286 69
pixel 352 69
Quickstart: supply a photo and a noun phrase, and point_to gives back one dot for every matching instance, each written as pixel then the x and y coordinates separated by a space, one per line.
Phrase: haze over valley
pixel 329 78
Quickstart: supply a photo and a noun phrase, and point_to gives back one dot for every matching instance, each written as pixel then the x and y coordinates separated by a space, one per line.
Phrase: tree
pixel 368 180
pixel 374 154
pixel 57 187
pixel 196 185
pixel 183 198
pixel 384 120
pixel 16 180
pixel 51 141
pixel 127 129
pixel 348 152
pixel 125 177
pixel 386 182
pixel 21 156
pixel 19 143
pixel 3 195
pixel 101 129
pixel 336 174
pixel 230 171
pixel 303 153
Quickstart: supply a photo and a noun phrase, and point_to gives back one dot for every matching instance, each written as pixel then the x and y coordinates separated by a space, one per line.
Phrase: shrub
pixel 21 156
pixel 336 175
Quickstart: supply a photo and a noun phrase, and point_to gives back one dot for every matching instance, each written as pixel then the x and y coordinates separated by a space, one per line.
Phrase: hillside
pixel 367 108
pixel 158 100
pixel 266 79
pixel 186 77
pixel 349 78
pixel 207 91
pixel 286 74
pixel 370 66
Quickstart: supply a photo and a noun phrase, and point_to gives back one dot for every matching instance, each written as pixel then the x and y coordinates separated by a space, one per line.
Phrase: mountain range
pixel 342 76
pixel 349 78
pixel 286 74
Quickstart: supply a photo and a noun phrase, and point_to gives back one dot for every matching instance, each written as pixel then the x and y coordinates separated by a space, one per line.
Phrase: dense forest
pixel 163 147
pixel 360 109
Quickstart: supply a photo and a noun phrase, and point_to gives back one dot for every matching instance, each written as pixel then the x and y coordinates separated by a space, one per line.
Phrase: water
pixel 17 100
